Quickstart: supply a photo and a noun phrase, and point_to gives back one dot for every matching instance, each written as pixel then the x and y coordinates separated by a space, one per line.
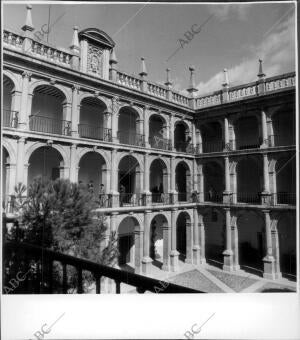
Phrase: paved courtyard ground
pixel 210 279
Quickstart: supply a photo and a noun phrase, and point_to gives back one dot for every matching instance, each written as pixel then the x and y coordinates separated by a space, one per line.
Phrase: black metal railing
pixel 185 147
pixel 160 143
pixel 131 199
pixel 131 138
pixel 245 145
pixel 281 140
pixel 49 125
pixel 94 132
pixel 35 272
pixel 213 197
pixel 212 146
pixel 10 118
pixel 249 197
pixel 160 198
pixel 285 198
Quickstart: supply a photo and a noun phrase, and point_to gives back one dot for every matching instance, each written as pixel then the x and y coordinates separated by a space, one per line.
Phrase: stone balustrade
pixel 179 98
pixel 209 100
pixel 157 90
pixel 12 39
pixel 280 82
pixel 240 92
pixel 54 55
pixel 128 81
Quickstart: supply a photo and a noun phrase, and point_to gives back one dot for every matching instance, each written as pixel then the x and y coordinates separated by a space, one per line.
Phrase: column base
pixel 196 255
pixel 146 264
pixel 269 267
pixel 228 260
pixel 265 197
pixel 174 260
pixel 115 199
pixel 226 197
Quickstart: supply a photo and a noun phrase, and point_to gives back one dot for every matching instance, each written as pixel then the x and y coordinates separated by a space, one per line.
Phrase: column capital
pixel 75 87
pixel 27 74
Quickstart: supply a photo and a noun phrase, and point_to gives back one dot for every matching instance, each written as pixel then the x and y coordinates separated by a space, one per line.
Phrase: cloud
pixel 223 12
pixel 277 50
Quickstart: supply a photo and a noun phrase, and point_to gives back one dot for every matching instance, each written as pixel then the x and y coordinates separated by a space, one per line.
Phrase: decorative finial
pixel 192 88
pixel 260 69
pixel 113 58
pixel 28 23
pixel 75 41
pixel 226 80
pixel 168 82
pixel 143 68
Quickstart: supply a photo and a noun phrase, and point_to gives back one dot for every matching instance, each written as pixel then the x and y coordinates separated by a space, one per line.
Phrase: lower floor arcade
pixel 262 242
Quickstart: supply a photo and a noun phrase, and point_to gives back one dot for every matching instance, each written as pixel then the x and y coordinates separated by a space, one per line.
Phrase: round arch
pixel 249 174
pixel 214 225
pixel 129 243
pixel 13 78
pixel 183 243
pixel 66 91
pixel 214 181
pixel 129 130
pixel 251 237
pixel 159 179
pixel 45 162
pixel 247 132
pixel 183 180
pixel 158 240
pixel 182 136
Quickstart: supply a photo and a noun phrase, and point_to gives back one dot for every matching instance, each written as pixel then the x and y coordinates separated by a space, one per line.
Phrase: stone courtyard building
pixel 187 178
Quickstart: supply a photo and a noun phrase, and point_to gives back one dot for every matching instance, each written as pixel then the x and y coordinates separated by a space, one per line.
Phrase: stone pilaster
pixel 20 160
pixel 166 247
pixel 189 242
pixel 24 113
pixel 75 111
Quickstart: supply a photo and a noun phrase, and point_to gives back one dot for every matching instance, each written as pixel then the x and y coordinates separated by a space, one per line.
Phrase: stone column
pixel 166 246
pixel 146 261
pixel 115 119
pixel 20 161
pixel 16 101
pixel 75 111
pixel 235 246
pixel 269 261
pixel 189 242
pixel 10 178
pixel 265 195
pixel 73 166
pixel 275 244
pixel 147 193
pixel 201 182
pixel 226 135
pixel 138 246
pixel 196 247
pixel 146 126
pixel 174 253
pixel 114 190
pixel 202 239
pixel 227 192
pixel 228 253
pixel 264 129
pixel 172 119
pixel 173 191
pixel 24 113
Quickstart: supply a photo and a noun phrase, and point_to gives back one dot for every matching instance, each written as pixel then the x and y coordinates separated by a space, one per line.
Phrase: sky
pixel 232 36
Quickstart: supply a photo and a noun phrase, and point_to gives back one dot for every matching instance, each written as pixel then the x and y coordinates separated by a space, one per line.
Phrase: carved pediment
pixel 97 38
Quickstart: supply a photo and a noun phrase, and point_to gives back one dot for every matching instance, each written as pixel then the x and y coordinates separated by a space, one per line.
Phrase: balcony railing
pixel 280 140
pixel 131 138
pixel 10 118
pixel 245 145
pixel 94 132
pixel 185 147
pixel 131 200
pixel 160 143
pixel 216 197
pixel 160 198
pixel 36 265
pixel 49 125
pixel 248 197
pixel 285 198
pixel 212 146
